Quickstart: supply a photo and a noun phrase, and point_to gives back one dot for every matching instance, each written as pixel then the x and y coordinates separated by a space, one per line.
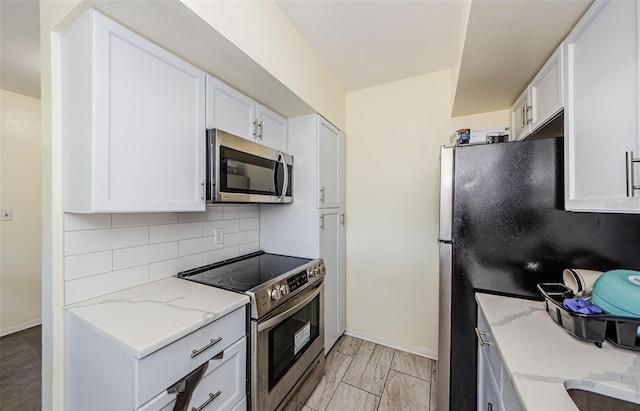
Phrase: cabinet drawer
pixel 224 380
pixel 158 371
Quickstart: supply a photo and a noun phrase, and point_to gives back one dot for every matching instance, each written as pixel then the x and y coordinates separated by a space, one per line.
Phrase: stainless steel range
pixel 287 323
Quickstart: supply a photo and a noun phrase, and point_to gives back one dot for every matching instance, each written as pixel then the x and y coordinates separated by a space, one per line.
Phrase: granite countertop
pixel 540 357
pixel 146 318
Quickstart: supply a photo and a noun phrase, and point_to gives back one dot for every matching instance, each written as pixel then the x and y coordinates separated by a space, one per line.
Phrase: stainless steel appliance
pixel 287 323
pixel 241 171
pixel 503 229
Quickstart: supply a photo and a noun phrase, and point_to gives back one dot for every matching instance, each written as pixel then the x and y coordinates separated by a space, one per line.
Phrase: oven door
pixel 284 345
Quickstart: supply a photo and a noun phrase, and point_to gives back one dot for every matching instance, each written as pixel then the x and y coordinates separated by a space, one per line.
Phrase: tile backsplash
pixel 104 253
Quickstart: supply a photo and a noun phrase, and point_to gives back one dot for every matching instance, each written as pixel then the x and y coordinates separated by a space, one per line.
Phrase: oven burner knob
pixel 275 294
pixel 312 272
pixel 316 271
pixel 323 270
pixel 284 290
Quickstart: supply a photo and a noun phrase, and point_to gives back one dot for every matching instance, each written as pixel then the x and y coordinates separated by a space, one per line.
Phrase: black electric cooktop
pixel 244 273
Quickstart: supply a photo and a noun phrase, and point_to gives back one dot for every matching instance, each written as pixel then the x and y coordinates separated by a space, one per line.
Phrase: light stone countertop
pixel 146 318
pixel 540 357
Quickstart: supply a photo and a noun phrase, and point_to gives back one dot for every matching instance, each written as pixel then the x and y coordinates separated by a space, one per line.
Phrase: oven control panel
pixel 297 281
pixel 278 292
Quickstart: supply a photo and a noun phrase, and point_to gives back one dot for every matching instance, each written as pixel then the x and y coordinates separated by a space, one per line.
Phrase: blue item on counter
pixel 618 293
pixel 578 305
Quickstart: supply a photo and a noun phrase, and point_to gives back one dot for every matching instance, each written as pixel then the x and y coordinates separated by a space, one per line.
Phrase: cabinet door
pixel 330 173
pixel 272 129
pixel 519 117
pixel 546 91
pixel 488 394
pixel 331 245
pixel 146 126
pixel 601 113
pixel 230 110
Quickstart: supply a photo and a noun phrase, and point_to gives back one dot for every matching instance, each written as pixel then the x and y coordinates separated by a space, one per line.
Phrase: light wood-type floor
pixel 359 376
pixel 20 365
pixel 363 376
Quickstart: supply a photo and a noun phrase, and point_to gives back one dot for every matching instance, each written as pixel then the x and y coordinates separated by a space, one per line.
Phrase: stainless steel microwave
pixel 241 171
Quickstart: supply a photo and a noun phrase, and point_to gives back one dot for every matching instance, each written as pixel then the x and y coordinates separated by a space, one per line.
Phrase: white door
pixel 229 110
pixel 520 117
pixel 601 113
pixel 272 129
pixel 149 125
pixel 547 91
pixel 330 143
pixel 330 228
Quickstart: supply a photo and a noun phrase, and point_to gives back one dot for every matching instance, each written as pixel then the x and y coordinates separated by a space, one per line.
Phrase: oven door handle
pixel 283 316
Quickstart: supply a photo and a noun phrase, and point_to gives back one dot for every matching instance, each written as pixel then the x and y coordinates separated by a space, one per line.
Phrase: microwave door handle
pixel 211 165
pixel 285 185
pixel 283 316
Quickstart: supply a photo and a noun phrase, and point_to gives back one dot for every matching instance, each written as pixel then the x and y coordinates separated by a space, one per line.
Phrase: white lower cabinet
pixel 223 385
pixel 332 238
pixel 99 375
pixel 495 390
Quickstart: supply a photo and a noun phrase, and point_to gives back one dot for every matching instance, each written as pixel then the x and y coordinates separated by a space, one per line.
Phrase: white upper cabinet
pixel 546 91
pixel 541 100
pixel 330 168
pixel 230 110
pixel 601 114
pixel 133 122
pixel 520 126
pixel 235 113
pixel 272 128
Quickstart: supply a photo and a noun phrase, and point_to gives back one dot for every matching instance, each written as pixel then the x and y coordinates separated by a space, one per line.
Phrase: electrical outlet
pixel 219 234
pixel 6 215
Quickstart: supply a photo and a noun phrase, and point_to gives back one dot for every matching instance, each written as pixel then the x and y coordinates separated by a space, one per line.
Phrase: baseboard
pixel 20 327
pixel 393 344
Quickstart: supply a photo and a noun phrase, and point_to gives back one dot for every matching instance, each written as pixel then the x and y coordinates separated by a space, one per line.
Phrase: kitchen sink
pixel 584 394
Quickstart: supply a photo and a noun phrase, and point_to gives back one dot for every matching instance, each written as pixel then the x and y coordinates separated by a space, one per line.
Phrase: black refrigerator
pixel 503 229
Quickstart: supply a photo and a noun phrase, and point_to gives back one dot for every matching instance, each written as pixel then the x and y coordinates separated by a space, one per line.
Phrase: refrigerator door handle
pixel 446 192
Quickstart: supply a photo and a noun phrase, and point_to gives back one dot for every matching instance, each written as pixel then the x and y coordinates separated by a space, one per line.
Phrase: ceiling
pixel 370 42
pixel 367 43
pixel 20 47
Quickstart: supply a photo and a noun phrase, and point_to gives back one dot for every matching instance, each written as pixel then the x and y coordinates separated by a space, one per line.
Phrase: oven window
pixel 291 338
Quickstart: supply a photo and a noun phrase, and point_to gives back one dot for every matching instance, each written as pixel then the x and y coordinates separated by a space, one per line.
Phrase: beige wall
pixel 20 239
pixel 262 31
pixel 394 134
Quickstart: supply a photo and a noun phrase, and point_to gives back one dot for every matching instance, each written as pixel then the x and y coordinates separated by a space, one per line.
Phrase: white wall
pixel 105 253
pixel 394 134
pixel 20 239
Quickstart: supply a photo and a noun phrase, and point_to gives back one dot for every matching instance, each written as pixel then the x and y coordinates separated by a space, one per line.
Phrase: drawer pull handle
pixel 213 342
pixel 212 397
pixel 480 339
